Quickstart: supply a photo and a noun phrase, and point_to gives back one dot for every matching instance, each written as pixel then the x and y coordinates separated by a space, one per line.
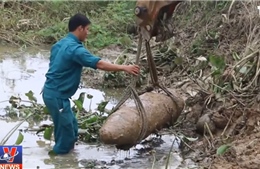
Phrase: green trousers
pixel 65 123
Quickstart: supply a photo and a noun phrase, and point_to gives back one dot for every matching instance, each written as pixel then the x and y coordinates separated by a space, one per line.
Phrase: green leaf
pixel 45 110
pixel 82 97
pixel 216 73
pixel 91 119
pixel 48 133
pixel 78 104
pixel 101 106
pixel 19 139
pixel 218 62
pixel 222 149
pixel 30 96
pixel 87 137
pixel 89 96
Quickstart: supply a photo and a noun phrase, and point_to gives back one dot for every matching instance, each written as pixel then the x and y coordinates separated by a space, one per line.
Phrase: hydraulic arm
pixel 153 19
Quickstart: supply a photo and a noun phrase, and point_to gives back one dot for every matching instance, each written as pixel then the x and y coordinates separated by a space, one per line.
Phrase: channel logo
pixel 11 157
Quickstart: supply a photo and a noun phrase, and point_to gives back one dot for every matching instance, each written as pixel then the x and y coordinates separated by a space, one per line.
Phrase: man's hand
pixel 132 69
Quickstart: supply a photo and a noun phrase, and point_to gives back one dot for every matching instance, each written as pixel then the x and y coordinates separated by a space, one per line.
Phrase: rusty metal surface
pixel 156 11
pixel 123 126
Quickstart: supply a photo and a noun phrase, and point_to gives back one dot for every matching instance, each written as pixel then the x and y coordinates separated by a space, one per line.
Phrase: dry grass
pixel 231 32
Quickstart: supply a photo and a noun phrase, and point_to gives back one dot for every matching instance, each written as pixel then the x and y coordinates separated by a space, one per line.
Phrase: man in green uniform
pixel 68 57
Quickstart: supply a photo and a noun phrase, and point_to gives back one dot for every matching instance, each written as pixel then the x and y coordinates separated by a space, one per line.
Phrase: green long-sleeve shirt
pixel 67 58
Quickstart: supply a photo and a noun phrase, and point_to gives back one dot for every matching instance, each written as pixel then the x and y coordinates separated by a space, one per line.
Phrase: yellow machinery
pixel 153 17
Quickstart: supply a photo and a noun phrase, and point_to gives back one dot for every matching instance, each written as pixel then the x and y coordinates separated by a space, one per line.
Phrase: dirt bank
pixel 212 42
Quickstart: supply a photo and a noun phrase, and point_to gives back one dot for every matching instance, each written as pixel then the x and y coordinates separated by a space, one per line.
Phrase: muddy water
pixel 23 71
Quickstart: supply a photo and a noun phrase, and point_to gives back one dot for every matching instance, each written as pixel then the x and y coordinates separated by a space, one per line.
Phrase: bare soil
pixel 232 119
pixel 244 151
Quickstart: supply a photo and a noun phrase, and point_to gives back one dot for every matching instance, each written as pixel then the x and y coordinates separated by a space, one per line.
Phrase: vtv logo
pixel 9 154
pixel 11 157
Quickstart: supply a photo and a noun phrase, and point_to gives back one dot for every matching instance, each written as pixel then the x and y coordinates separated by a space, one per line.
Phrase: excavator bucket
pixel 153 18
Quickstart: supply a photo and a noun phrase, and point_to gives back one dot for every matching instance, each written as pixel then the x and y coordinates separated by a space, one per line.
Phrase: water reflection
pixel 20 75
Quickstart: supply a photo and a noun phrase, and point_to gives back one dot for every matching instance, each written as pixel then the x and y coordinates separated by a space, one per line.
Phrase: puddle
pixel 23 72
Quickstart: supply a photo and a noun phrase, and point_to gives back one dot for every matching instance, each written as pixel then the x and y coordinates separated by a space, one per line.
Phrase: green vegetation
pixel 45 22
pixel 89 122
